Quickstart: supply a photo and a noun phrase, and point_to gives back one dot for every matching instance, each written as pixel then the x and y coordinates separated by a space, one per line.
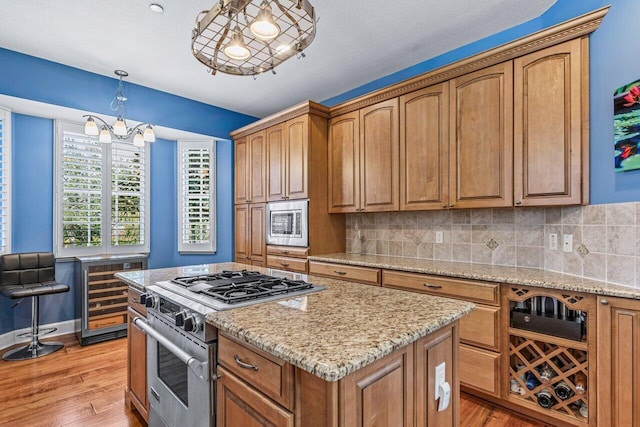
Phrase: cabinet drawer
pixel 369 276
pixel 288 251
pixel 268 374
pixel 482 327
pixel 298 265
pixel 479 369
pixel 483 292
pixel 134 301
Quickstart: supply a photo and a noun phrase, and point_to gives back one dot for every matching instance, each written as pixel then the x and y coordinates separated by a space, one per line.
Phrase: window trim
pixel 106 248
pixel 211 246
pixel 7 175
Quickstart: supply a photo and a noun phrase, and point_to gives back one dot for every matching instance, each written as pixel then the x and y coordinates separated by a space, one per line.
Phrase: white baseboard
pixel 64 328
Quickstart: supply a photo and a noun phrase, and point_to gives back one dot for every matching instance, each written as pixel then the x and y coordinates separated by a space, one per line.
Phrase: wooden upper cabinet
pixel 242 178
pixel 344 163
pixel 379 157
pixel 549 143
pixel 257 167
pixel 258 251
pixel 297 158
pixel 424 148
pixel 481 134
pixel 276 150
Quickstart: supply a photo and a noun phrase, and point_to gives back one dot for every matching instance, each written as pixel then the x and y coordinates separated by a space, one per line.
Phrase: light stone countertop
pixel 490 273
pixel 330 333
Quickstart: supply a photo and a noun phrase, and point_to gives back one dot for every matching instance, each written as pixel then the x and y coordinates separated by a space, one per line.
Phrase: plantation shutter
pixel 196 196
pixel 5 181
pixel 82 170
pixel 127 194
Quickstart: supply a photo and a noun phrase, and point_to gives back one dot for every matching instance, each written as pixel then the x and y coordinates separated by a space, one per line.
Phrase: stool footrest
pixel 41 333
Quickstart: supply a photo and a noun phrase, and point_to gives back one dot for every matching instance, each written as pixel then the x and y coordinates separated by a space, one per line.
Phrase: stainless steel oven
pixel 287 223
pixel 180 368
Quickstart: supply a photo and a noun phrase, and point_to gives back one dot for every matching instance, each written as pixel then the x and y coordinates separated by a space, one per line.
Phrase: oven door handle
pixel 198 367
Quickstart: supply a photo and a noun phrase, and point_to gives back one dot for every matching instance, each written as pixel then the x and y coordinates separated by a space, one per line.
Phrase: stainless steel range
pixel 181 346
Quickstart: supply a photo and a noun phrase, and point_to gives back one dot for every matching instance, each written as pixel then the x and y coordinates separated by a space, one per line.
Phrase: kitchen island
pixel 348 355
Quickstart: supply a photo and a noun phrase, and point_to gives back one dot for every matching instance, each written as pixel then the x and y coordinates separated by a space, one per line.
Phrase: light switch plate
pixel 440 378
pixel 439 237
pixel 553 241
pixel 568 243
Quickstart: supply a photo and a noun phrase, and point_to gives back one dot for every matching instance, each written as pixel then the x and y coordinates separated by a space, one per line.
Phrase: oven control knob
pixel 143 299
pixel 152 301
pixel 191 324
pixel 180 316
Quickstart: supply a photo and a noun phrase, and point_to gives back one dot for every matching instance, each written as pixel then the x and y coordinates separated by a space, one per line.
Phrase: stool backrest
pixel 25 268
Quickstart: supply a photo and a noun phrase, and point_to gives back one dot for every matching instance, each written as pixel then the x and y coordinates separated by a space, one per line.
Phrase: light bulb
pixel 138 140
pixel 149 134
pixel 264 27
pixel 90 127
pixel 237 49
pixel 105 136
pixel 119 127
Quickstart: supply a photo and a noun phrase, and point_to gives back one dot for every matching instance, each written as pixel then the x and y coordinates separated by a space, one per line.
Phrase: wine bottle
pixel 563 391
pixel 532 382
pixel 546 373
pixel 580 381
pixel 546 399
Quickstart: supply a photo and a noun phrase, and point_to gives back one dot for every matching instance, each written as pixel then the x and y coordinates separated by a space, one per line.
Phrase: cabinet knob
pixel 519 202
pixel 604 301
pixel 444 206
pixel 451 205
pixel 284 264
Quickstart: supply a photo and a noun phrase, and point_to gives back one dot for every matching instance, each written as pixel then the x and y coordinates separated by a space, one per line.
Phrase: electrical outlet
pixel 439 237
pixel 568 243
pixel 439 378
pixel 553 241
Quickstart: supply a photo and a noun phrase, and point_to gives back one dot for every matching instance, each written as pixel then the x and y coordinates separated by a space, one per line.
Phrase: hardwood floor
pixel 84 387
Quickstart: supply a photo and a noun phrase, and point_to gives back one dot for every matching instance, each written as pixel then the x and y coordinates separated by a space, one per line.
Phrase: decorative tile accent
pixel 582 250
pixel 492 244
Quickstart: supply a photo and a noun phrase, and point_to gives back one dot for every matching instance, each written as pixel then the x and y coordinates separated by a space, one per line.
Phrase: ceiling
pixel 357 41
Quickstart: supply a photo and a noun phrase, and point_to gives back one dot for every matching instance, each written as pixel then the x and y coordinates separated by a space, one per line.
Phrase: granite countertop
pixel 491 273
pixel 341 329
pixel 330 333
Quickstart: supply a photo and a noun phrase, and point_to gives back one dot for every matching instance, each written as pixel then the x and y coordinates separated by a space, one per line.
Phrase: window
pixel 196 196
pixel 5 181
pixel 101 195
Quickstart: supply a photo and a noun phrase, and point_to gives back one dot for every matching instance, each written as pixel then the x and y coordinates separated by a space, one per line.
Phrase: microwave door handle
pixel 198 367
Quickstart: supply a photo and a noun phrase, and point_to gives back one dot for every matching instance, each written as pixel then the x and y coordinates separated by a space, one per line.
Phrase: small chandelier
pixel 249 37
pixel 119 129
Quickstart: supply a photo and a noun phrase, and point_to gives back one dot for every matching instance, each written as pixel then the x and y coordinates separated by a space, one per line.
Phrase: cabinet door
pixel 380 394
pixel 137 364
pixel 431 351
pixel 297 155
pixel 276 165
pixel 241 174
pixel 618 362
pixel 241 405
pixel 257 233
pixel 379 157
pixel 242 233
pixel 258 167
pixel 548 88
pixel 424 148
pixel 481 134
pixel 344 163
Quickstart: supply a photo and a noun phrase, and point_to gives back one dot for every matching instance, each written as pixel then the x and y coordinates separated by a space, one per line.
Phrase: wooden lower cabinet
pixel 136 391
pixel 395 391
pixel 618 362
pixel 480 369
pixel 366 275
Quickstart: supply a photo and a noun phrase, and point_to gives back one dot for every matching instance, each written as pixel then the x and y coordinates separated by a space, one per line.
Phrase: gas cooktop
pixel 231 289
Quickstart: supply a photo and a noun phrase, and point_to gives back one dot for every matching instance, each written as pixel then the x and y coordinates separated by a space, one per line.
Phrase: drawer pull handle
pixel 135 301
pixel 284 264
pixel 243 364
pixel 342 273
pixel 604 301
pixel 430 286
pixel 285 252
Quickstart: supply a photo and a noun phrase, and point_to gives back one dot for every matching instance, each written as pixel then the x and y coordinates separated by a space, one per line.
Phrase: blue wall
pixel 613 62
pixel 33 162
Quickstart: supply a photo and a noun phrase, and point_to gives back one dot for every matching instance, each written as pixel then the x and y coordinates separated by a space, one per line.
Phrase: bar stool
pixel 30 275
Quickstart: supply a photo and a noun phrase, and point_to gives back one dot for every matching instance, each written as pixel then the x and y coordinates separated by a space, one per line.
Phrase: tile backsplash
pixel 605 238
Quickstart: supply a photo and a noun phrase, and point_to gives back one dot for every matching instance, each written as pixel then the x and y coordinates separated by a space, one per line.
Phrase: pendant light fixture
pixel 119 129
pixel 249 37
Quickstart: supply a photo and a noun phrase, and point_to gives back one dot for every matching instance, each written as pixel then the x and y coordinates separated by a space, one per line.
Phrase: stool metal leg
pixel 35 348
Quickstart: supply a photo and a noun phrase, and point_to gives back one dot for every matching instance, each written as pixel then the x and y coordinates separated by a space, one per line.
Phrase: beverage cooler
pixel 104 298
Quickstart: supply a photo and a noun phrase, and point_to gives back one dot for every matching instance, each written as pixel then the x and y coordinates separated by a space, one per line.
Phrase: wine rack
pixel 104 297
pixel 551 371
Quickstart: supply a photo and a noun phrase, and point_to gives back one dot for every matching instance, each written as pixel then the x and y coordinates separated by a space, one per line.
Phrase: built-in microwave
pixel 287 223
